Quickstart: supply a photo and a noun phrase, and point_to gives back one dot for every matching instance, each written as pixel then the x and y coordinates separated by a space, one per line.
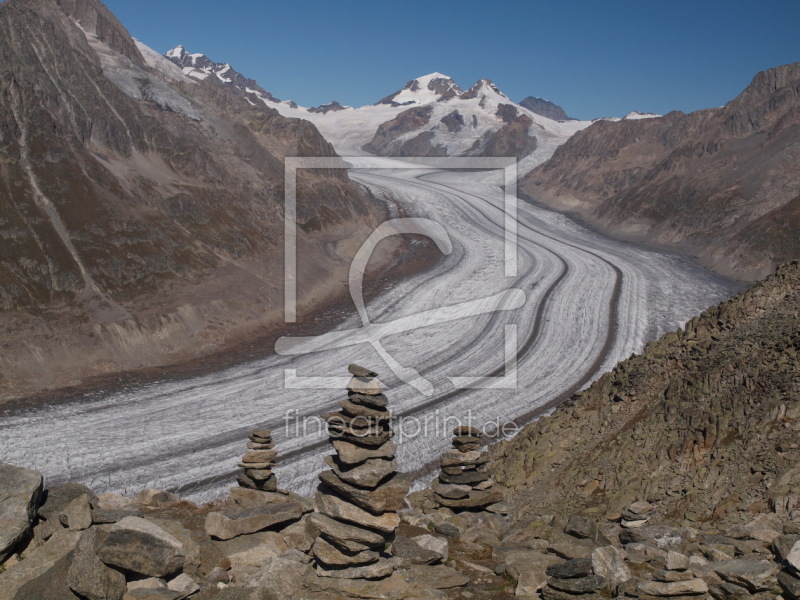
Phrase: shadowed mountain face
pixel 721 183
pixel 141 211
pixel 545 108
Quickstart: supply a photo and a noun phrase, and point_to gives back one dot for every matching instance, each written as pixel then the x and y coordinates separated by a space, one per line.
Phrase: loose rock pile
pixel 674 580
pixel 464 481
pixel 358 498
pixel 258 461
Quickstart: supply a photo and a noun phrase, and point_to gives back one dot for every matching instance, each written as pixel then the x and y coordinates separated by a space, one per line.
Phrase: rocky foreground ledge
pixel 67 542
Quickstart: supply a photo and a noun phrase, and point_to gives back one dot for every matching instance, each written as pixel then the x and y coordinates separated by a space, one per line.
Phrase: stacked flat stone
pixel 636 515
pixel 258 461
pixel 358 498
pixel 464 481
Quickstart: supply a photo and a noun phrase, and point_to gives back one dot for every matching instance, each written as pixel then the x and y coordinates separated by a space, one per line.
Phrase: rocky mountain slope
pixel 703 424
pixel 722 183
pixel 141 210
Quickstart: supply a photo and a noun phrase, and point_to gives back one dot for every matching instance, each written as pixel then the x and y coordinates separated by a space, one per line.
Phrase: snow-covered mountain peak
pixel 434 87
pixel 484 88
pixel 177 52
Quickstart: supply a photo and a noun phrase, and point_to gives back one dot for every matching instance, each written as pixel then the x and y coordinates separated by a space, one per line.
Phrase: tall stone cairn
pixel 258 461
pixel 358 498
pixel 464 482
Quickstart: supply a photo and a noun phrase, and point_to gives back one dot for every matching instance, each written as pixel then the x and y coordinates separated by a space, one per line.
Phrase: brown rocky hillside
pixel 704 424
pixel 721 183
pixel 141 211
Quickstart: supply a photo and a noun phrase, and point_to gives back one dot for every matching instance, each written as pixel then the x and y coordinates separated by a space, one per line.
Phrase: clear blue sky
pixel 593 58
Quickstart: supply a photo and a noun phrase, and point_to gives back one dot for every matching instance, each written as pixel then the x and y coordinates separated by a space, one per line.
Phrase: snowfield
pixel 588 302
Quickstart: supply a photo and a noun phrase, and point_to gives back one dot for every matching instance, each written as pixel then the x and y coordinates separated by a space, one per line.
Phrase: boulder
pixel 57 497
pixel 782 545
pixel 677 561
pixel 254 550
pixel 390 496
pixel 50 585
pixel 755 575
pixel 333 506
pixel 790 584
pixel 434 543
pixel 20 494
pixel 578 567
pixel 609 562
pixel 673 588
pixel 184 585
pixel 230 522
pixel 406 548
pixel 88 576
pixel 137 545
pixel 529 568
pixel 449 490
pixel 37 563
pixel 77 515
pixel 571 548
pixel 793 557
pixel 582 527
pixel 728 591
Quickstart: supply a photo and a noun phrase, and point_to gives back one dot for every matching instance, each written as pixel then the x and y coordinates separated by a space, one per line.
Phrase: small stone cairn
pixel 636 515
pixel 258 461
pixel 464 481
pixel 358 498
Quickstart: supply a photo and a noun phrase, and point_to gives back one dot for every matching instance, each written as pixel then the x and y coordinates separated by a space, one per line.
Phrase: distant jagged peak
pixel 545 108
pixel 199 66
pixel 635 115
pixel 332 106
pixel 434 87
pixel 485 88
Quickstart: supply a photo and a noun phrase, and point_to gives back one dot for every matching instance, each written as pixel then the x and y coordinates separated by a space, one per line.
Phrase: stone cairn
pixel 258 461
pixel 464 482
pixel 636 515
pixel 358 498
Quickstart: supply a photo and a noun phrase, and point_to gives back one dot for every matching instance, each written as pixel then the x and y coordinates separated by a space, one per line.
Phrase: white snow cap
pixel 176 52
pixel 635 114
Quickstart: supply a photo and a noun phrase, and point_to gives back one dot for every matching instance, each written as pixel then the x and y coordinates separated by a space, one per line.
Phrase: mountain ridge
pixel 719 183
